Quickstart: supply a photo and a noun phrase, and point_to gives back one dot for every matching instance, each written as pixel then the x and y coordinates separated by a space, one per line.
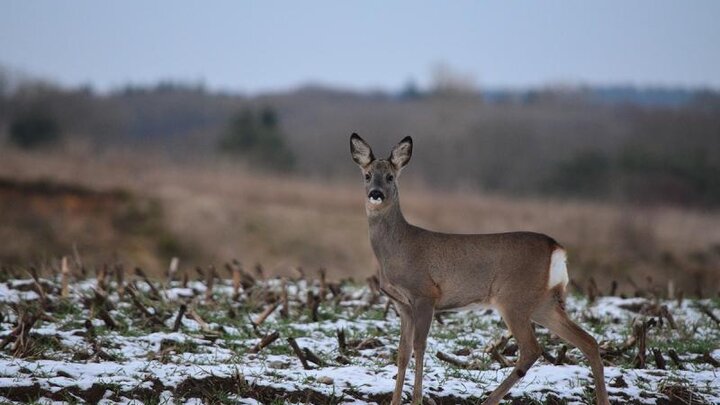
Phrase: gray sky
pixel 270 45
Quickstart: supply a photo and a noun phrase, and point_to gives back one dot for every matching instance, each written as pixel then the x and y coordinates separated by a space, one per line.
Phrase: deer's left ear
pixel 401 153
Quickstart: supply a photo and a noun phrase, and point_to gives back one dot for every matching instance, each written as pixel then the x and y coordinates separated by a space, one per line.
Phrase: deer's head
pixel 380 174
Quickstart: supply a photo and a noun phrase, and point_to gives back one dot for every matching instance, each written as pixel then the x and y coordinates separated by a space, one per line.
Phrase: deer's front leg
pixel 423 309
pixel 404 350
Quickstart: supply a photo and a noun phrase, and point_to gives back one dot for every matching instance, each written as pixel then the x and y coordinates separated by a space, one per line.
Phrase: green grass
pixel 698 345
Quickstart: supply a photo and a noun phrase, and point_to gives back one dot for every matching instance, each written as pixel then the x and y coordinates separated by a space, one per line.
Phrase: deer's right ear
pixel 360 151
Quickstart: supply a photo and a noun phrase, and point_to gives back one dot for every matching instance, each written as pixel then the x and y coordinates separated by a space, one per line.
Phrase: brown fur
pixel 424 271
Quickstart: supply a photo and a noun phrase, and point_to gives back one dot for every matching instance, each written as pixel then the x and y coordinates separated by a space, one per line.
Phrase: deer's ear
pixel 360 150
pixel 401 153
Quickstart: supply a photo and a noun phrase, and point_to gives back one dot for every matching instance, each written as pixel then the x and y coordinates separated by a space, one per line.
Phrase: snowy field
pixel 151 342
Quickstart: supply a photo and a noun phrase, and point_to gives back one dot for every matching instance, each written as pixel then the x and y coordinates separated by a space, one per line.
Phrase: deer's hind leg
pixel 520 325
pixel 556 320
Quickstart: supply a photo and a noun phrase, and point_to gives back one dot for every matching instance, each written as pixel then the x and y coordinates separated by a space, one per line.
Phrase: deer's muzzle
pixel 376 196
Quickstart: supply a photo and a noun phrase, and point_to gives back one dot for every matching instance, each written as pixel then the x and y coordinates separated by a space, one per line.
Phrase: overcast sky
pixel 270 45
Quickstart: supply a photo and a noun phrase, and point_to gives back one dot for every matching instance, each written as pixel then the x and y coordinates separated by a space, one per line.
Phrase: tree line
pixel 562 143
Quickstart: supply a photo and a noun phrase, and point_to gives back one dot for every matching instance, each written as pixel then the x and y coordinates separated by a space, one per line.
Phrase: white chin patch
pixel 375 201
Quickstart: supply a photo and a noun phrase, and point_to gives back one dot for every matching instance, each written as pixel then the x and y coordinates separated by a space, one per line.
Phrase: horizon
pixel 20 77
pixel 267 47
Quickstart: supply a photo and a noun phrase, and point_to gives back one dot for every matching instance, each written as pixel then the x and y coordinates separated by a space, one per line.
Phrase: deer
pixel 522 275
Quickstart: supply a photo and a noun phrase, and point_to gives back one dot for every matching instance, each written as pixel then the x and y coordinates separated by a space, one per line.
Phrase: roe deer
pixel 521 274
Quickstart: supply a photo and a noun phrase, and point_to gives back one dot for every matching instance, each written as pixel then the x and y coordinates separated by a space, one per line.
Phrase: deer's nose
pixel 376 195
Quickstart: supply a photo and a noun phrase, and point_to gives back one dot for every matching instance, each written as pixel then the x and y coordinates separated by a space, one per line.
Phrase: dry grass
pixel 227 212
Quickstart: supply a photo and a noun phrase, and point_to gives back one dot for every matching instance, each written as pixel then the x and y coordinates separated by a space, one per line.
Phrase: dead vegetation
pixel 256 335
pixel 214 212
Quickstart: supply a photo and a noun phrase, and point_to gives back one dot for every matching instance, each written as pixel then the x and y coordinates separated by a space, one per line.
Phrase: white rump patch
pixel 558 268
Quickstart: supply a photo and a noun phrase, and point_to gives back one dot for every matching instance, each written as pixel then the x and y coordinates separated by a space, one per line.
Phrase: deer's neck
pixel 388 231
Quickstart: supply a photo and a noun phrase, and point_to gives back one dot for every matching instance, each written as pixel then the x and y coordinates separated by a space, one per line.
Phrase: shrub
pixel 33 129
pixel 258 137
pixel 588 174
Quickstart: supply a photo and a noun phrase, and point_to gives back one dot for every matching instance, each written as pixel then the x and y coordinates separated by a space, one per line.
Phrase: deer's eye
pixel 367 176
pixel 390 177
